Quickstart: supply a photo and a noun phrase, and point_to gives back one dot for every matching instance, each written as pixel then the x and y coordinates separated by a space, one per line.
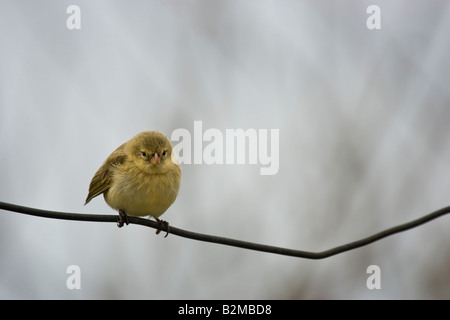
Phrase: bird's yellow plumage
pixel 140 178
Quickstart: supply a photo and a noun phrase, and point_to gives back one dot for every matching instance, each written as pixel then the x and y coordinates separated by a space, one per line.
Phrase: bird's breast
pixel 142 194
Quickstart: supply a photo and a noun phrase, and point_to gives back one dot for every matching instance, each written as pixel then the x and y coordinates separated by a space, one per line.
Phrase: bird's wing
pixel 103 178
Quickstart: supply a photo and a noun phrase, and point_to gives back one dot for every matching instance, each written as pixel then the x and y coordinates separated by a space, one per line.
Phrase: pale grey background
pixel 364 145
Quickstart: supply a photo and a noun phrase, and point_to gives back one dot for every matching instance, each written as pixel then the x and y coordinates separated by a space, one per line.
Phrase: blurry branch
pixel 227 241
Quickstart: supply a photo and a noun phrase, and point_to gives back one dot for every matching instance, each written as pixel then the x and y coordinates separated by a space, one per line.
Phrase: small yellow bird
pixel 139 178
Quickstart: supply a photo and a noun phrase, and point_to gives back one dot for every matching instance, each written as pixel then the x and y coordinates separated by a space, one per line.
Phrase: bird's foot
pixel 164 225
pixel 123 219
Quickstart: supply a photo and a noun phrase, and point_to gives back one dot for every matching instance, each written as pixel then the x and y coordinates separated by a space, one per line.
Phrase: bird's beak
pixel 155 160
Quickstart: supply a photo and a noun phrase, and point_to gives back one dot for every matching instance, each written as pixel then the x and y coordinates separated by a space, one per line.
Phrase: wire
pixel 227 241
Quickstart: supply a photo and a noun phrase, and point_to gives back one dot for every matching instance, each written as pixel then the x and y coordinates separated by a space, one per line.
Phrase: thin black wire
pixel 227 241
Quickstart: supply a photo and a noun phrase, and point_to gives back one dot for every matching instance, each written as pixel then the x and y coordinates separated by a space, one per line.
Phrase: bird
pixel 140 178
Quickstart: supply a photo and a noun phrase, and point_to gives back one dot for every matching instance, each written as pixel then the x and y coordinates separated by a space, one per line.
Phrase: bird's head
pixel 151 151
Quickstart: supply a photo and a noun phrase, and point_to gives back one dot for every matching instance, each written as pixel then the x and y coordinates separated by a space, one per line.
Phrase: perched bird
pixel 139 178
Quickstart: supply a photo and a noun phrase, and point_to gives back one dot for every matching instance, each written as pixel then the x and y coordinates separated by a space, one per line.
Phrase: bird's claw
pixel 164 225
pixel 123 219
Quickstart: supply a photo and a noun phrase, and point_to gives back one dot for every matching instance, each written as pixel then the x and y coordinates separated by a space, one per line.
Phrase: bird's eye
pixel 164 152
pixel 144 154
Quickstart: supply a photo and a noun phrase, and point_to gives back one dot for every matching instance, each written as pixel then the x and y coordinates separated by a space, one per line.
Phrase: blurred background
pixel 363 117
